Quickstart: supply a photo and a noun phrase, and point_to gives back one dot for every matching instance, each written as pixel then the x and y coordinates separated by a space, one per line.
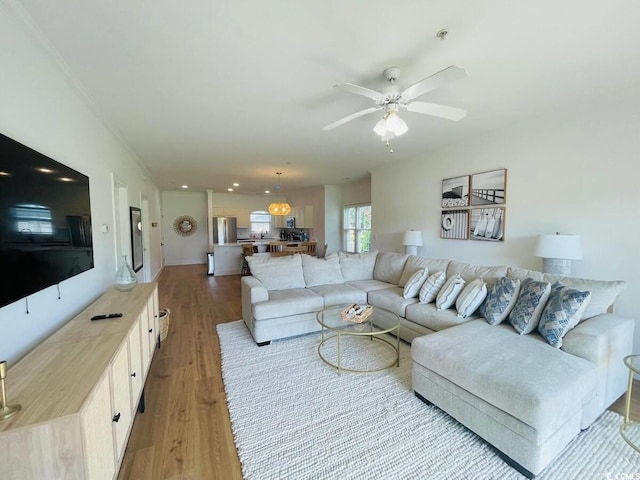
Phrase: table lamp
pixel 411 241
pixel 557 251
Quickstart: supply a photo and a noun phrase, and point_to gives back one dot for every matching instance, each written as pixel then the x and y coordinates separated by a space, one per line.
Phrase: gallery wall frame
pixel 135 217
pixel 488 188
pixel 454 224
pixel 455 192
pixel 487 224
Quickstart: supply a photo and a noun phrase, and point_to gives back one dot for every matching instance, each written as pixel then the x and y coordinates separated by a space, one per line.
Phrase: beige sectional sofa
pixel 525 397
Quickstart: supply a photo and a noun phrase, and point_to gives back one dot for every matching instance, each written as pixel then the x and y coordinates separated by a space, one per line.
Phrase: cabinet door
pixel 156 313
pixel 97 434
pixel 279 221
pixel 136 372
pixel 121 398
pixel 152 331
pixel 308 216
pixel 243 218
pixel 144 340
pixel 217 212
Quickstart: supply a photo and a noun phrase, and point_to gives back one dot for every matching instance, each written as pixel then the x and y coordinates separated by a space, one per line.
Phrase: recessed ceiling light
pixel 267 191
pixel 66 179
pixel 44 170
pixel 185 186
pixel 4 174
pixel 236 184
pixel 229 189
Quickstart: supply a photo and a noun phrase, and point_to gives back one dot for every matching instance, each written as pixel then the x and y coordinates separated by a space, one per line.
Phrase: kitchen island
pixel 227 258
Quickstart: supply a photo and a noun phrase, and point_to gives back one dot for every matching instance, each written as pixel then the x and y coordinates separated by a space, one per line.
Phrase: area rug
pixel 294 417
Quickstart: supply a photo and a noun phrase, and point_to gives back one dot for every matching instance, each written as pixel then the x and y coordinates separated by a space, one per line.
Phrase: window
pixel 260 224
pixel 33 219
pixel 357 228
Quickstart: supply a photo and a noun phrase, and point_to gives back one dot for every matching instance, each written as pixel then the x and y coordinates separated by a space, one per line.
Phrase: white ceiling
pixel 213 92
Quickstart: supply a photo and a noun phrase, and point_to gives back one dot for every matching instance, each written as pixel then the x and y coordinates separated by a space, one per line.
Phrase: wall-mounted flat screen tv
pixel 45 222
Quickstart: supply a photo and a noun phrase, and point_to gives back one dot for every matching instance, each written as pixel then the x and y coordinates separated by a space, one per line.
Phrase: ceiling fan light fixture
pixel 390 126
pixel 381 127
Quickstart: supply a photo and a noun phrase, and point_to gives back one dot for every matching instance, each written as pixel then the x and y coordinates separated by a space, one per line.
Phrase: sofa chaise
pixel 518 392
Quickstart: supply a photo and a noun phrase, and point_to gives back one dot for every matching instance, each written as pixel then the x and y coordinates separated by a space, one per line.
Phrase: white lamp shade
pixel 559 246
pixel 413 238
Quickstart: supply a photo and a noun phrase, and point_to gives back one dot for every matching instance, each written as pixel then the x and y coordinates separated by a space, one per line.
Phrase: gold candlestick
pixel 6 411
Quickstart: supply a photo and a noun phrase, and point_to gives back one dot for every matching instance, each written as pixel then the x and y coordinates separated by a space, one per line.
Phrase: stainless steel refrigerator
pixel 225 230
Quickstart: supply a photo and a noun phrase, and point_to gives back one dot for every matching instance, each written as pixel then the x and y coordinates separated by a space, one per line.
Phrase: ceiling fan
pixel 391 99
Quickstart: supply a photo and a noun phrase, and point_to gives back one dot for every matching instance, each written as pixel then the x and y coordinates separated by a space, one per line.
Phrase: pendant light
pixel 279 208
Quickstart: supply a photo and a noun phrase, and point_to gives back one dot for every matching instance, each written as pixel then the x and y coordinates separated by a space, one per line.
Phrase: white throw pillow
pixel 449 292
pixel 432 286
pixel 277 273
pixel 471 298
pixel 321 271
pixel 413 286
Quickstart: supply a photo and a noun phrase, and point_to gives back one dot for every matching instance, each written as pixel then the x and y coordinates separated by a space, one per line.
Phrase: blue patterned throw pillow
pixel 562 313
pixel 500 300
pixel 531 300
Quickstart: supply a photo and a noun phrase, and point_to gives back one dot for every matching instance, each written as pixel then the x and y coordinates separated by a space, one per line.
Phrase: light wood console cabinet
pixel 80 391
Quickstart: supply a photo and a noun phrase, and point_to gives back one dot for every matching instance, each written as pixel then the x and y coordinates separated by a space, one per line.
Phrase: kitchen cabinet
pixel 241 214
pixel 304 216
pixel 78 392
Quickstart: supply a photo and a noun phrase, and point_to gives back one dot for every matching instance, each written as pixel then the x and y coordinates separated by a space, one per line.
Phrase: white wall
pixel 40 107
pixel 573 170
pixel 179 250
pixel 333 218
pixel 358 192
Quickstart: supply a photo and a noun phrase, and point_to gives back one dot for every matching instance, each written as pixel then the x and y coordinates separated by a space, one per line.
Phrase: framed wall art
pixel 487 224
pixel 489 188
pixel 454 224
pixel 455 192
pixel 135 216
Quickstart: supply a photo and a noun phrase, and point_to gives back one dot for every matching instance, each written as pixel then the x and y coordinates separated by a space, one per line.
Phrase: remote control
pixel 107 315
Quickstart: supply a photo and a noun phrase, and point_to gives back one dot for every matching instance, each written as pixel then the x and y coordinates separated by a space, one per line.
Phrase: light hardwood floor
pixel 185 433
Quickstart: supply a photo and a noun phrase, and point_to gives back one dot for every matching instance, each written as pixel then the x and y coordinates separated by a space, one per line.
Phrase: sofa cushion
pixel 427 315
pixel 321 271
pixel 470 272
pixel 543 391
pixel 522 273
pixel 603 292
pixel 370 285
pixel 562 312
pixel 389 267
pixel 277 273
pixel 531 301
pixel 449 292
pixel 500 300
pixel 431 287
pixel 339 294
pixel 390 299
pixel 357 266
pixel 471 297
pixel 415 263
pixel 284 303
pixel 414 284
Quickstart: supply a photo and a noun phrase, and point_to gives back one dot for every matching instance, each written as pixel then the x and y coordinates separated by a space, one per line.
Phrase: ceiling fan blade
pixel 358 90
pixel 443 111
pixel 353 116
pixel 436 80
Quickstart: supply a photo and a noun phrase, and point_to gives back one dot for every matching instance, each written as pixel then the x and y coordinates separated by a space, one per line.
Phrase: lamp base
pixel 411 250
pixel 9 411
pixel 556 266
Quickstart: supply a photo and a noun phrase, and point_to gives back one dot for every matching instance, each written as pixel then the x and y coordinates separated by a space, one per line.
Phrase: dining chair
pixel 310 246
pixel 277 246
pixel 296 249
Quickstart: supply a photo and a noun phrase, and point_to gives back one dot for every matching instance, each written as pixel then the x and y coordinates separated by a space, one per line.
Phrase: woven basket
pixel 165 315
pixel 351 317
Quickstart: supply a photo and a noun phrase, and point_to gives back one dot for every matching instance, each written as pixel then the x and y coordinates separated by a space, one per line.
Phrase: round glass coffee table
pixel 375 327
pixel 629 429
